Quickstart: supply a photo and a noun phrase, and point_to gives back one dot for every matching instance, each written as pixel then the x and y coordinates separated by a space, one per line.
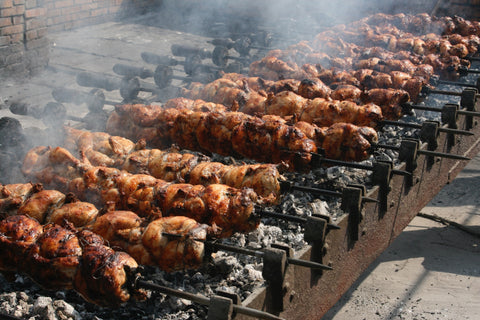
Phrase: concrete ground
pixel 431 271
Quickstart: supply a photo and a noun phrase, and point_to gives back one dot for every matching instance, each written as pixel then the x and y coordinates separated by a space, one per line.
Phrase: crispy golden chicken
pixel 64 258
pixel 173 166
pixel 171 243
pixel 324 112
pixel 229 208
pixel 237 133
pixel 229 133
pixel 289 103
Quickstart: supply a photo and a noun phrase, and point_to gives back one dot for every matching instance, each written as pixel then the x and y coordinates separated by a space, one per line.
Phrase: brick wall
pixel 25 24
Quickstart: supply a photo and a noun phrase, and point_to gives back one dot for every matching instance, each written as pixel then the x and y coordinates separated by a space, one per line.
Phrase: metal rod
pixel 252 252
pixel 433 109
pixel 460 84
pixel 325 192
pixel 473 58
pixel 360 166
pixel 8 317
pixel 426 152
pixel 444 92
pixel 200 299
pixel 291 218
pixel 419 126
pixel 260 254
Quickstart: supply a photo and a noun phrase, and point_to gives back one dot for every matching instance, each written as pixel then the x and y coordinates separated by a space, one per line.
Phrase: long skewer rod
pixel 433 109
pixel 325 192
pixel 291 218
pixel 359 166
pixel 427 152
pixel 260 254
pixel 419 126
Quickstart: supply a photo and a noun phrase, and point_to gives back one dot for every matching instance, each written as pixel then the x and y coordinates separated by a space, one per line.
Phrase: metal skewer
pixel 215 246
pixel 321 159
pixel 426 152
pixel 433 109
pixel 419 126
pixel 286 186
pixel 291 218
pixel 260 254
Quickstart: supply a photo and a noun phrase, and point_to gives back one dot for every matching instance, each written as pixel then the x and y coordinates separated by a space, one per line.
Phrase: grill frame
pixel 377 232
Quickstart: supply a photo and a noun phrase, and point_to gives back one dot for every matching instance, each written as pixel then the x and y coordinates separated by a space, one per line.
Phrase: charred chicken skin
pixel 228 133
pixel 288 103
pixel 171 243
pixel 64 258
pixel 218 205
pixel 102 149
pixel 235 133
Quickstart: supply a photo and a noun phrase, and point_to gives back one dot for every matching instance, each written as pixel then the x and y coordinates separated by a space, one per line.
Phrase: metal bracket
pixel 278 275
pixel 352 204
pixel 315 233
pixel 408 154
pixel 450 117
pixel 315 230
pixel 469 101
pixel 382 173
pixel 429 134
pixel 220 308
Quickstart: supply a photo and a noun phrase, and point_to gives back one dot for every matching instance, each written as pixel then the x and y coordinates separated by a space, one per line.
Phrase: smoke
pixel 302 18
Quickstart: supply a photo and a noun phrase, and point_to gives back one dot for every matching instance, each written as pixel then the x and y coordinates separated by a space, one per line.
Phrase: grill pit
pixel 372 232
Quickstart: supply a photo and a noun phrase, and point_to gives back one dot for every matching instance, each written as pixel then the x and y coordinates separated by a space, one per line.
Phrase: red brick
pixel 42 32
pixel 30 4
pixel 89 6
pixel 8 12
pixel 6 3
pixel 4 22
pixel 18 2
pixel 11 30
pixel 70 10
pixel 81 15
pixel 61 19
pixel 54 27
pixel 113 9
pixel 30 35
pixel 53 12
pixel 18 19
pixel 63 3
pixel 99 12
pixel 37 43
pixel 16 38
pixel 35 24
pixel 32 13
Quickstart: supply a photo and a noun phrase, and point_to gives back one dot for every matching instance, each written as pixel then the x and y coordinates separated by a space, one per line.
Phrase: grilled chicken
pixel 216 204
pixel 64 258
pixel 171 243
pixel 236 133
pixel 173 166
pixel 229 133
